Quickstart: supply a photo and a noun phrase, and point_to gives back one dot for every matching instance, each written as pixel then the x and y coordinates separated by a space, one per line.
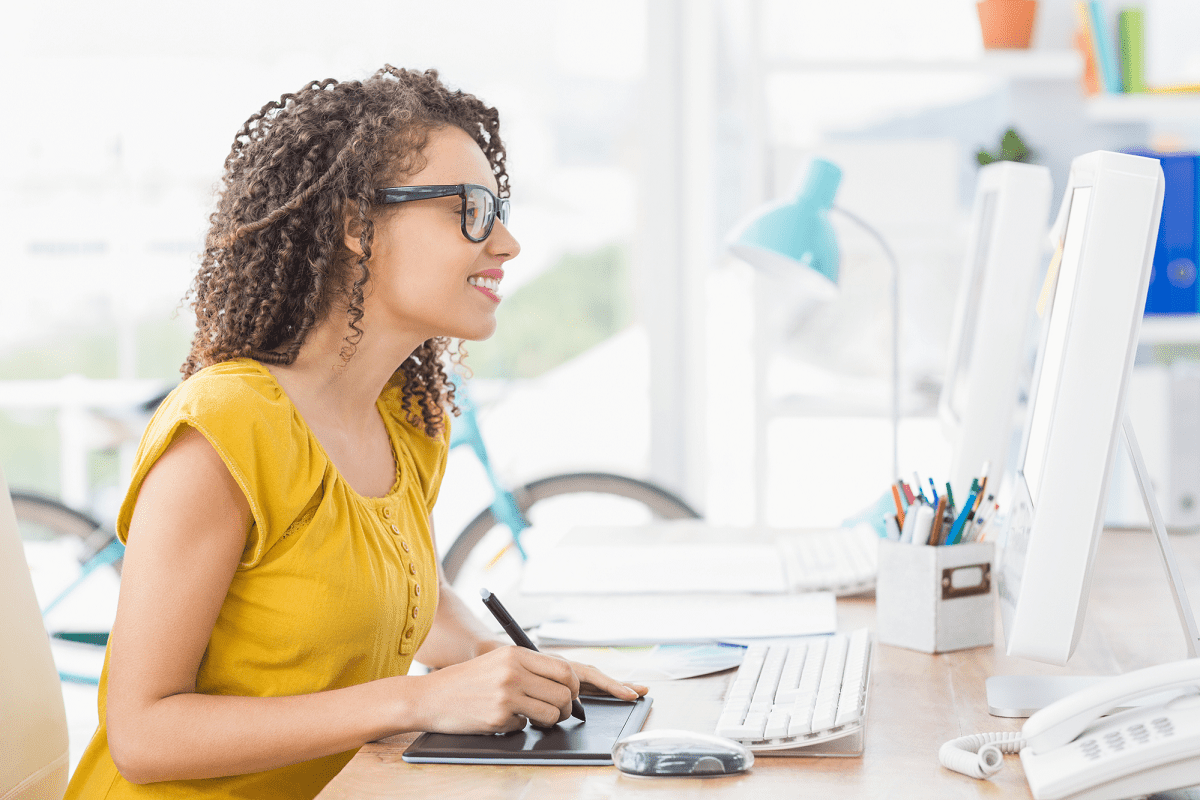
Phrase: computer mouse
pixel 684 753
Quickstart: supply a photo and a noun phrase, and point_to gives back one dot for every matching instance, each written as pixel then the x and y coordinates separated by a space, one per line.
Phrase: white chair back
pixel 33 720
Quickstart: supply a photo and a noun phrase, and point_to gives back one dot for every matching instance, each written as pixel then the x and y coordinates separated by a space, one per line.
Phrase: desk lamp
pixel 794 241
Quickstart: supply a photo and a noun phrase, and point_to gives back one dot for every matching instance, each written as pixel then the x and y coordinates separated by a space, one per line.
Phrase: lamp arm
pixel 891 257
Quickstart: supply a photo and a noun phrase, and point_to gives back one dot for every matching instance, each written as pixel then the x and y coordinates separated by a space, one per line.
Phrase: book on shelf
pixel 1084 42
pixel 1106 52
pixel 1131 45
pixel 1173 286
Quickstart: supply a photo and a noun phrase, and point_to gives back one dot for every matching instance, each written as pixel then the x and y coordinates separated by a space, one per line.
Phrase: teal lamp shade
pixel 793 240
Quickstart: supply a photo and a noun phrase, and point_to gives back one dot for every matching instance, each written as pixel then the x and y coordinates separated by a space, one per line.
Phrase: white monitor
pixel 1091 308
pixel 1006 253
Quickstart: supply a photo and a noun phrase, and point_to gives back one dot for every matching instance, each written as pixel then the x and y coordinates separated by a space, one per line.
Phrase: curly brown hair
pixel 301 172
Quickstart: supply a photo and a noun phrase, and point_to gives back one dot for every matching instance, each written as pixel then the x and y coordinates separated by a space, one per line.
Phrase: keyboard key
pixel 824 715
pixel 777 725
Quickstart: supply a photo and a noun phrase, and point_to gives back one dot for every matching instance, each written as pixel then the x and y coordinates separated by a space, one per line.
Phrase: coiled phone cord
pixel 980 755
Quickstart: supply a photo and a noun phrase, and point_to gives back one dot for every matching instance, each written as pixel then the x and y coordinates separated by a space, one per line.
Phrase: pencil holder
pixel 934 599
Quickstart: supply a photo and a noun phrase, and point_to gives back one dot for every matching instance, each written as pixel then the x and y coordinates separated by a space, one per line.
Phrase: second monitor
pixel 980 401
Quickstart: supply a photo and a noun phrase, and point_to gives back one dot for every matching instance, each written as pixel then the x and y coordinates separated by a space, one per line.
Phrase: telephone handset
pixel 1069 749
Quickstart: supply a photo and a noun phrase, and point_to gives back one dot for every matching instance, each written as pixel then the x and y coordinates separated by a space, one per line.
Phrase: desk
pixel 917 702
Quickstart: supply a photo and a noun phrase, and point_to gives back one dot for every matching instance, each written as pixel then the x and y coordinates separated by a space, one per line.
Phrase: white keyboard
pixel 839 560
pixel 800 694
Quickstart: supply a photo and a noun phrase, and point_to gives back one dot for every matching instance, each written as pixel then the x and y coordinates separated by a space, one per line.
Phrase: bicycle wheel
pixel 69 554
pixel 552 505
pixel 44 519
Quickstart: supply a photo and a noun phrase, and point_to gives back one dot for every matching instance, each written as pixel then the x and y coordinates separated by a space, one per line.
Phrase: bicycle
pixel 514 513
pixel 505 527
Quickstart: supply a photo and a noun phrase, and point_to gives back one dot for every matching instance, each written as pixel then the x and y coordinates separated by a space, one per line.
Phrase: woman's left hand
pixel 593 681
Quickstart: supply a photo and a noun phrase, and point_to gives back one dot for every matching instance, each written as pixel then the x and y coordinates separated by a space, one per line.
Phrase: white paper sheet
pixel 656 568
pixel 675 619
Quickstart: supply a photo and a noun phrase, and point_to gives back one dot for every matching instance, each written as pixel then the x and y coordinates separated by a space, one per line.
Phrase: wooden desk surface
pixel 917 702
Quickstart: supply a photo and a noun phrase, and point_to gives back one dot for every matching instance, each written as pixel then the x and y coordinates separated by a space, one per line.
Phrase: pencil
pixel 936 532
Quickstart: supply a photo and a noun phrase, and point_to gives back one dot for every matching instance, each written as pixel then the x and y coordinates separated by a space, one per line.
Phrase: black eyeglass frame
pixel 404 194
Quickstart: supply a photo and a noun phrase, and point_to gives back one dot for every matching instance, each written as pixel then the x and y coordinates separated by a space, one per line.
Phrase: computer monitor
pixel 1006 249
pixel 1091 308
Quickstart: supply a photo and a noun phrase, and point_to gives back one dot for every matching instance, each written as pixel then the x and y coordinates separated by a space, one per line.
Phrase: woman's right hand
pixel 497 692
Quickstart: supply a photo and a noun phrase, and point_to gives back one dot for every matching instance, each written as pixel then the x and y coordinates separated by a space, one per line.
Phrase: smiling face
pixel 427 278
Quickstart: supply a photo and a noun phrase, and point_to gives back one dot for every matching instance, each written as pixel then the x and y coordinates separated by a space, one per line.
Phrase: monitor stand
pixel 1022 695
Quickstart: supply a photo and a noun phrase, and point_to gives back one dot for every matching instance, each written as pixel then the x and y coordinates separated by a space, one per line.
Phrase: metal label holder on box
pixel 934 599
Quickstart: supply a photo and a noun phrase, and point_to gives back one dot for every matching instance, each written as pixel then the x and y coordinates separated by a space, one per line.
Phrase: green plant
pixel 1012 148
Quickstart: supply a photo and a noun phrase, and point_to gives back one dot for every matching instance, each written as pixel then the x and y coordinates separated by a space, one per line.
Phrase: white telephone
pixel 1071 751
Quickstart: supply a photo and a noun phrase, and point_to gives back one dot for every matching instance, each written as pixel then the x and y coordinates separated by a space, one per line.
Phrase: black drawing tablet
pixel 569 742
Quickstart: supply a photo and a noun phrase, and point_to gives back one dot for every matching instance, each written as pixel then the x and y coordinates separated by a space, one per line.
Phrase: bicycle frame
pixel 465 431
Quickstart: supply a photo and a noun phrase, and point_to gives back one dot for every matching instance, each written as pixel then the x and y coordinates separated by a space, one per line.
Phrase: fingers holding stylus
pixel 498 691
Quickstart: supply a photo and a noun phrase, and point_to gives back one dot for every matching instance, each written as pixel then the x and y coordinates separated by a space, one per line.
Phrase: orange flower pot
pixel 1006 24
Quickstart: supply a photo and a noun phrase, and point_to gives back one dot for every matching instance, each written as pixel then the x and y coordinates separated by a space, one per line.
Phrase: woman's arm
pixel 185 540
pixel 458 635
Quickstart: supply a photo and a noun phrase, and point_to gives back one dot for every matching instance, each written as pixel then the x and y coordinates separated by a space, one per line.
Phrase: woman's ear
pixel 352 228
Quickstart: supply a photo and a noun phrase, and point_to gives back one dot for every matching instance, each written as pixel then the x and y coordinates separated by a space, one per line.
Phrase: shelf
pixel 1170 329
pixel 1144 108
pixel 1010 64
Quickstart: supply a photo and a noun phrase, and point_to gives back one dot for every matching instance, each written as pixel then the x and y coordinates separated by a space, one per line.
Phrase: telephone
pixel 1071 751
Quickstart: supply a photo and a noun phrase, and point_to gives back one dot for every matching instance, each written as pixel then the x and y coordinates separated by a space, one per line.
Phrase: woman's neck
pixel 340 389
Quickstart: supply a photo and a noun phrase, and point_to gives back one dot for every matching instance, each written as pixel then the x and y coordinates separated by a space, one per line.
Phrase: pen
pixel 519 638
pixel 982 485
pixel 980 517
pixel 982 534
pixel 917 484
pixel 968 507
pixel 949 495
pixel 933 489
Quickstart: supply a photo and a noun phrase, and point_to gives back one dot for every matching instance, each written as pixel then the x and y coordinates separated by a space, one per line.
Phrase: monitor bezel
pixel 1047 552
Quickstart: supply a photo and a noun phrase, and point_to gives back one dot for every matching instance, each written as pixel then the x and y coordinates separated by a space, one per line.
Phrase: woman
pixel 280 573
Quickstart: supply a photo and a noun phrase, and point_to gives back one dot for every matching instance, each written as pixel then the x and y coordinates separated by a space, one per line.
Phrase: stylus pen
pixel 519 638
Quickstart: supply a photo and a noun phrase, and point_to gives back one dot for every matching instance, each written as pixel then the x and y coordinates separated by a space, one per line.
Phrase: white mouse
pixel 684 753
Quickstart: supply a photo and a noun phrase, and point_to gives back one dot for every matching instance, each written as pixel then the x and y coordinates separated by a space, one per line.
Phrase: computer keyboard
pixel 801 695
pixel 839 560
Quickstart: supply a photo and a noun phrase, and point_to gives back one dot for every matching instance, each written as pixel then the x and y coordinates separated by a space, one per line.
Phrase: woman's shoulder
pixel 236 385
pixel 244 414
pixel 237 404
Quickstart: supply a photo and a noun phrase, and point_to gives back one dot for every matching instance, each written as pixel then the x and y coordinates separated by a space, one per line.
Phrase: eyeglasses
pixel 480 207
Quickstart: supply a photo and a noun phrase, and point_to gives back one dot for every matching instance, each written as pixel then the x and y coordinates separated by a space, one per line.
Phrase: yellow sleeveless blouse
pixel 333 589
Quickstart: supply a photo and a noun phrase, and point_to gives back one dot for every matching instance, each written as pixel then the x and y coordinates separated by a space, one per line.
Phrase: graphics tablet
pixel 569 742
